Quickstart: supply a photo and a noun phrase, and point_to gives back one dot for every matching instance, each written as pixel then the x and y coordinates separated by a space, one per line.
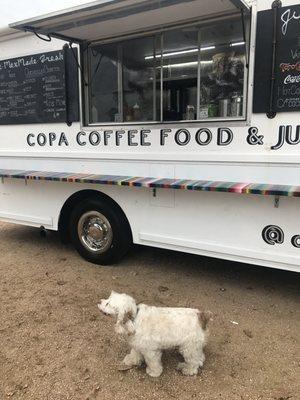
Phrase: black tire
pixel 120 238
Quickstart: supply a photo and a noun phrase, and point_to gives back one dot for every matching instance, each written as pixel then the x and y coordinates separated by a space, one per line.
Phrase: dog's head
pixel 119 305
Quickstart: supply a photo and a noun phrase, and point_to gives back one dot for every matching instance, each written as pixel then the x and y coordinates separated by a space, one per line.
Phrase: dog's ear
pixel 128 317
pixel 204 318
pixel 122 327
pixel 123 318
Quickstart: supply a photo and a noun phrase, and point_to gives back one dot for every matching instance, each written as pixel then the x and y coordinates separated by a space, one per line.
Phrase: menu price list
pixel 32 89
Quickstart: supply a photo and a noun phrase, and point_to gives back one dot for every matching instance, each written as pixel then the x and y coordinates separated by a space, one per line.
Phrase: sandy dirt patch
pixel 55 345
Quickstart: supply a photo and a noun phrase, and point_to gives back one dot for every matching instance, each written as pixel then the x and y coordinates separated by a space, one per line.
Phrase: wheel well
pixel 72 201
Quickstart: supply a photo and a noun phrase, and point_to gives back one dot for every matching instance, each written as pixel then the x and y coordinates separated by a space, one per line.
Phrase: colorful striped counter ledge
pixel 156 183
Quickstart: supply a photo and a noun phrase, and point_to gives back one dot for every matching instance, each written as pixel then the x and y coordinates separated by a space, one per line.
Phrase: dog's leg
pixel 153 361
pixel 194 359
pixel 133 359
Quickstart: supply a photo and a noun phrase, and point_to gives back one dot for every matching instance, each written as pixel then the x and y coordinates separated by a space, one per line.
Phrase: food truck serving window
pixel 194 72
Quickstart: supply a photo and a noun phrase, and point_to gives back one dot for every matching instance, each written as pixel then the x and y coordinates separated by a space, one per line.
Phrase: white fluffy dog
pixel 150 330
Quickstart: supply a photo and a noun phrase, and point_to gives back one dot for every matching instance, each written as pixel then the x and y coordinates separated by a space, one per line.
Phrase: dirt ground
pixel 55 345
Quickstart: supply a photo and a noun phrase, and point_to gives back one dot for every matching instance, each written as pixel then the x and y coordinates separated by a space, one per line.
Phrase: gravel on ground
pixel 55 344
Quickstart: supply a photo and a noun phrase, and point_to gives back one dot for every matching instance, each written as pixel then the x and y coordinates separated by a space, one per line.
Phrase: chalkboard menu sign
pixel 286 95
pixel 33 89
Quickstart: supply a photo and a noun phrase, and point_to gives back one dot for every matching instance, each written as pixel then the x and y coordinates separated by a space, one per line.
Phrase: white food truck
pixel 166 123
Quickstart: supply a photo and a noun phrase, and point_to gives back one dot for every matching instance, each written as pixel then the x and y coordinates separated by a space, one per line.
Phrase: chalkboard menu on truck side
pixel 33 88
pixel 287 84
pixel 287 61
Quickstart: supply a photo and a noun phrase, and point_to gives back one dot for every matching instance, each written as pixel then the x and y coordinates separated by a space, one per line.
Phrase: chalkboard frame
pixel 65 78
pixel 264 101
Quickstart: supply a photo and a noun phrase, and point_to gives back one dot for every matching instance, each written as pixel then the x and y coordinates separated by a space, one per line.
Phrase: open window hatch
pixel 156 61
pixel 109 18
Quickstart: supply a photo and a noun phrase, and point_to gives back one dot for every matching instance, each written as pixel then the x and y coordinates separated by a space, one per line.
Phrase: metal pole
pixel 120 82
pixel 199 75
pixel 161 79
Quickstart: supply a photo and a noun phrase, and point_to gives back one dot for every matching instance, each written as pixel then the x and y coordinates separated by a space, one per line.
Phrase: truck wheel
pixel 100 231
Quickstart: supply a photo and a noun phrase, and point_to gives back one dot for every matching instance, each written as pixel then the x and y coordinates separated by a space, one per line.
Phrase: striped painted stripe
pixel 158 183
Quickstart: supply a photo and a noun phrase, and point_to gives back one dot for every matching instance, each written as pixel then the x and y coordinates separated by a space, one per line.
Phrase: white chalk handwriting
pixel 286 18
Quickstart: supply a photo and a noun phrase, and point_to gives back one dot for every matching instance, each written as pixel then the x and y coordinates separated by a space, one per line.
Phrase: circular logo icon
pixel 273 234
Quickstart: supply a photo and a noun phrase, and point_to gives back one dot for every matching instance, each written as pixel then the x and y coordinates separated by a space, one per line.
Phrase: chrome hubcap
pixel 95 232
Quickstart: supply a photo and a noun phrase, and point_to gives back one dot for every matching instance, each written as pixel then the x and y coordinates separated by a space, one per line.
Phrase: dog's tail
pixel 204 318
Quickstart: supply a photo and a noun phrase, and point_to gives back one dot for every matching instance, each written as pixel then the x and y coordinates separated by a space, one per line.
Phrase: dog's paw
pixel 186 369
pixel 180 366
pixel 154 373
pixel 189 371
pixel 124 367
pixel 134 360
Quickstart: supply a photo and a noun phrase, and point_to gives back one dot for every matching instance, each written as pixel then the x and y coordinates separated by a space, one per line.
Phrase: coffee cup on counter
pixel 236 107
pixel 224 107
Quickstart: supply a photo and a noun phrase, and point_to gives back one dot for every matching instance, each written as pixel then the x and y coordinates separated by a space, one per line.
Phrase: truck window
pixel 189 73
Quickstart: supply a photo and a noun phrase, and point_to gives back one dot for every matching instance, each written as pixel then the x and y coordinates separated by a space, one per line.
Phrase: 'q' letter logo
pixel 272 235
